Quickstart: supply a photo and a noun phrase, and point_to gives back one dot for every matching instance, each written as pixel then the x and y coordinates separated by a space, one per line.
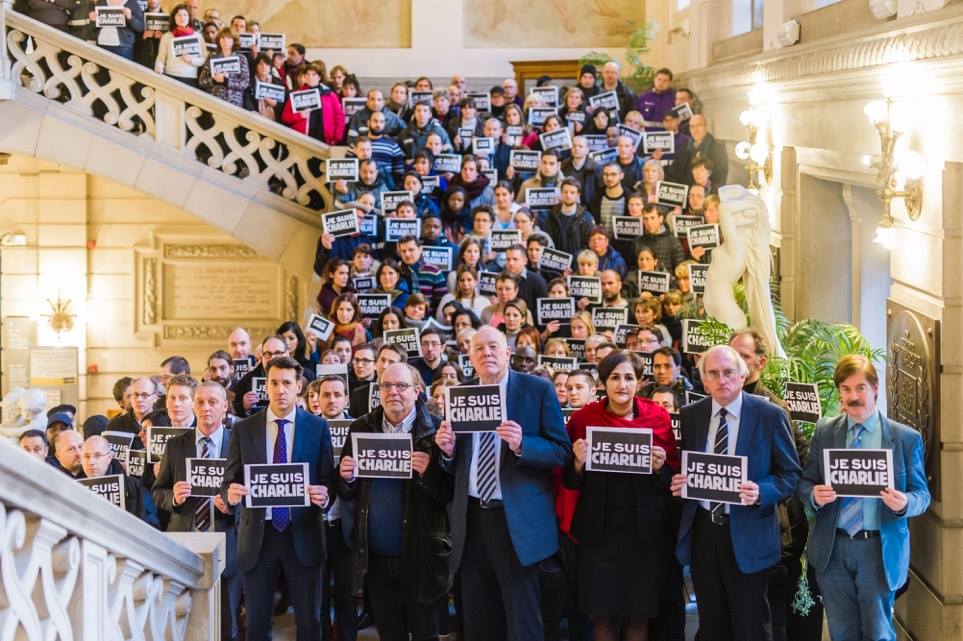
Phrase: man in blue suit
pixel 859 547
pixel 502 515
pixel 291 539
pixel 731 548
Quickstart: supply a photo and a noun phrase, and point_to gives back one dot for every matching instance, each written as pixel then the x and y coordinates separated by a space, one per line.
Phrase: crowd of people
pixel 510 524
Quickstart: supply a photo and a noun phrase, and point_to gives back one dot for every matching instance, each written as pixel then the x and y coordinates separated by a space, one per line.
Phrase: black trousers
pixel 338 569
pixel 500 597
pixel 230 606
pixel 304 583
pixel 559 594
pixel 395 617
pixel 732 604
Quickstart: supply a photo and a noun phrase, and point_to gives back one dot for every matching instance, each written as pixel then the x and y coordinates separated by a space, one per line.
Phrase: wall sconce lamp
pixel 753 151
pixel 60 319
pixel 904 168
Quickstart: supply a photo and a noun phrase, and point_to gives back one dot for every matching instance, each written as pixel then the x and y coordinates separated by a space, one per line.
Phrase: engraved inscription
pixel 200 291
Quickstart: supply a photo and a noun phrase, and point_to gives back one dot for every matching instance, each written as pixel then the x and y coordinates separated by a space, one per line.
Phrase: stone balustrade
pixel 74 567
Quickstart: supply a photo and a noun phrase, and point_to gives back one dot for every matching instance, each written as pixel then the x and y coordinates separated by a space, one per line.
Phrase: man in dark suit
pixel 502 515
pixel 859 547
pixel 172 491
pixel 291 539
pixel 731 548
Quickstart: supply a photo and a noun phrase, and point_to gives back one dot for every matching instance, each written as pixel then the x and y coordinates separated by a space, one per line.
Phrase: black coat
pixel 426 572
pixel 681 168
pixel 137 500
pixel 569 233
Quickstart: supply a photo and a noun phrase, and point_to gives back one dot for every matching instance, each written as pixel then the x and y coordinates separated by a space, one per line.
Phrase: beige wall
pixel 84 235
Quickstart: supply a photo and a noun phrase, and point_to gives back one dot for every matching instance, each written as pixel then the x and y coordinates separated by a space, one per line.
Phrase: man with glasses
pixel 400 537
pixel 247 400
pixel 98 460
pixel 362 369
pixel 389 354
pixel 731 548
pixel 143 394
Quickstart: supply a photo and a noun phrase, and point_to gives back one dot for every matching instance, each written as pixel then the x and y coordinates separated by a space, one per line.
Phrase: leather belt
pixel 862 535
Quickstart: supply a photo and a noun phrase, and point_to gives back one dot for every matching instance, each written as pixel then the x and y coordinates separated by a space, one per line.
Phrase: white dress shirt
pixel 733 412
pixel 271 435
pixel 476 446
pixel 214 449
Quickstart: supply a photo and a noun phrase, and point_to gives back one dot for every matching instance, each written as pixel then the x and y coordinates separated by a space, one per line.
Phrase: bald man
pixel 702 147
pixel 502 516
pixel 98 460
pixel 67 452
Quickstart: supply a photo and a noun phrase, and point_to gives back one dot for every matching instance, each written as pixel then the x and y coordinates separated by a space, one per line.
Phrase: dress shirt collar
pixel 216 439
pixel 733 409
pixel 271 417
pixel 871 424
pixel 401 428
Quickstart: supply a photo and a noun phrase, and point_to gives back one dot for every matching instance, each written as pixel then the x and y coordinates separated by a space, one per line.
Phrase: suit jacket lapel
pixel 513 404
pixel 747 426
pixel 259 434
pixel 702 436
pixel 839 433
pixel 301 436
pixel 225 443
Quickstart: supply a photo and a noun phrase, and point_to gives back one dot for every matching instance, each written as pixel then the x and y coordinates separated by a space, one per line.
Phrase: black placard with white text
pixel 706 236
pixel 420 98
pixel 626 227
pixel 803 402
pixel 205 475
pixel 502 239
pixel 632 134
pixel 554 260
pixel 483 146
pixel 374 397
pixel 320 326
pixel 541 197
pixel 538 115
pixel 589 287
pixel 697 277
pixel 398 228
pixel 653 140
pixel 109 487
pixel 230 64
pixel 713 477
pixel 655 282
pixel 604 157
pixel 522 160
pixel 157 22
pixel 259 387
pixel 110 17
pixel 609 317
pixel 381 456
pixel 672 194
pixel 137 463
pixel 186 46
pixel 276 485
pixel 391 199
pixel 119 443
pixel 682 222
pixel 486 283
pixel 246 41
pixel 305 100
pixel 858 472
pixel 675 419
pixel 576 348
pixel 597 142
pixel 683 112
pixel 157 438
pixel 621 450
pixel 474 408
pixel 694 340
pixel 270 91
pixel 551 309
pixel 481 100
pixel 363 283
pixel 607 99
pixel 272 41
pixel 465 364
pixel 440 257
pixel 343 222
pixel 430 184
pixel 373 304
pixel 340 370
pixel 548 94
pixel 558 363
pixel 351 106
pixel 341 169
pixel 560 139
pixel 622 333
pixel 447 163
pixel 339 429
pixel 407 338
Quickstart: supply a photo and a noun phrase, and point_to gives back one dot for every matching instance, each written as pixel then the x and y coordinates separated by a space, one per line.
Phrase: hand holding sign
pixel 182 491
pixel 511 432
pixel 318 495
pixel 823 495
pixel 579 448
pixel 419 462
pixel 236 492
pixel 748 492
pixel 346 469
pixel 893 499
pixel 678 482
pixel 445 439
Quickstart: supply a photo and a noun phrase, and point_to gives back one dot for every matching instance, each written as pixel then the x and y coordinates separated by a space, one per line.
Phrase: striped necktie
pixel 721 446
pixel 281 516
pixel 850 507
pixel 485 473
pixel 202 506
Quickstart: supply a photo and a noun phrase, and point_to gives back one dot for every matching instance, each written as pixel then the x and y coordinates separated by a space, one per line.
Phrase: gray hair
pixel 741 366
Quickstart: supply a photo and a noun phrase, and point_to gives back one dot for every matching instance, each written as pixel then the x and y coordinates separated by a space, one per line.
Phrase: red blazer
pixel 332 117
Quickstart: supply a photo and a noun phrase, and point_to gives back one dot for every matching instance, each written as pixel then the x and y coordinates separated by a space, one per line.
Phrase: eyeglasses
pixel 360 361
pixel 273 354
pixel 714 374
pixel 401 387
pixel 141 394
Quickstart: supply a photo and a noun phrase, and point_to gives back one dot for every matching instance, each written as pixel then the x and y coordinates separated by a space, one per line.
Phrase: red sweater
pixel 647 414
pixel 332 117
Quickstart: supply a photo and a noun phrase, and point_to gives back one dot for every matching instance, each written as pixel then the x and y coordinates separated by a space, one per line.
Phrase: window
pixel 746 16
pixel 681 5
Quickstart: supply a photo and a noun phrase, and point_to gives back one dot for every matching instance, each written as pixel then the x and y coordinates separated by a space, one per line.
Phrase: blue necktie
pixel 485 471
pixel 851 507
pixel 721 446
pixel 280 516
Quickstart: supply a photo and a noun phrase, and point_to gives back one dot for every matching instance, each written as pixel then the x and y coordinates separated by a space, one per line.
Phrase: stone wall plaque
pixel 196 289
pixel 913 380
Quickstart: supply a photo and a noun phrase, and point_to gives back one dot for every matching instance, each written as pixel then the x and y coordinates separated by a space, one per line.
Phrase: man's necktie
pixel 721 446
pixel 202 506
pixel 280 516
pixel 485 474
pixel 850 507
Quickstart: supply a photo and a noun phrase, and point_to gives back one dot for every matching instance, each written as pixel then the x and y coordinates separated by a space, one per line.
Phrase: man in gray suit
pixel 172 491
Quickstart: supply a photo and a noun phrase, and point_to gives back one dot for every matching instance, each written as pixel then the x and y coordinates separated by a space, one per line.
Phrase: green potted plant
pixel 638 76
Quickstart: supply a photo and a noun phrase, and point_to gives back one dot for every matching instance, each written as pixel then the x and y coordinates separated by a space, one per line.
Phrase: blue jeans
pixel 857 598
pixel 120 50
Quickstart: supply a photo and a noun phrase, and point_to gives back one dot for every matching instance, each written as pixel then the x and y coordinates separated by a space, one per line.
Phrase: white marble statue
pixel 744 253
pixel 23 409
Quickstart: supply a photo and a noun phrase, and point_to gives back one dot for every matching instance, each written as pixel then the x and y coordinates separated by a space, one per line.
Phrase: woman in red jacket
pixel 617 516
pixel 325 123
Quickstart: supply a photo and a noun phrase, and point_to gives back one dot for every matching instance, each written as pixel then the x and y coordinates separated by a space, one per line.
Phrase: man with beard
pixel 68 448
pixel 220 368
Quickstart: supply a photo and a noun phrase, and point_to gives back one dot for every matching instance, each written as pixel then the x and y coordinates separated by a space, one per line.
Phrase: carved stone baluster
pixel 6 65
